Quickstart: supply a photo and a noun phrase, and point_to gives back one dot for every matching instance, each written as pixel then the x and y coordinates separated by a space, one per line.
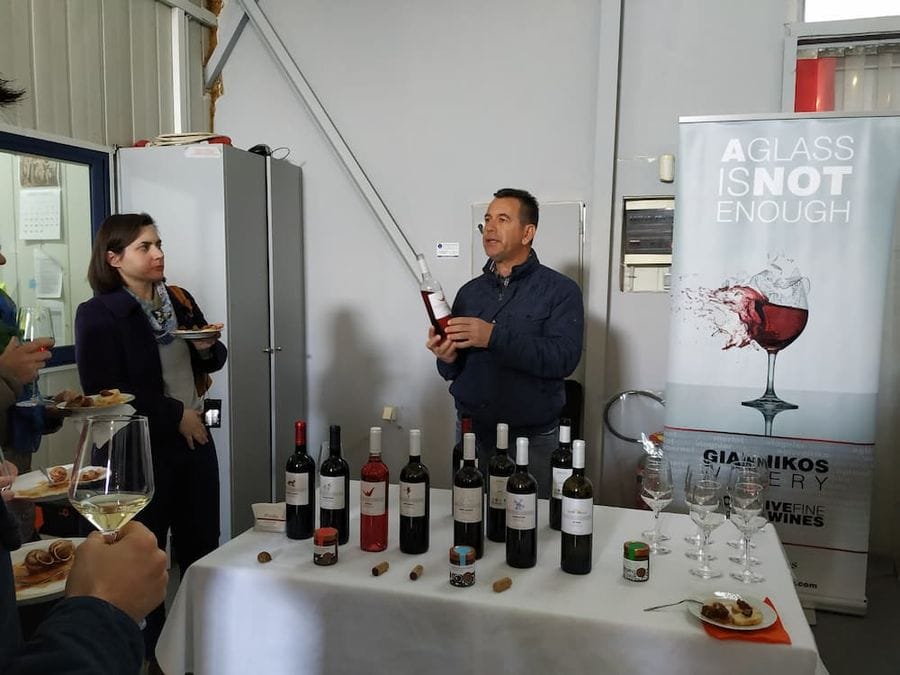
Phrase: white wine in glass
pixel 33 323
pixel 112 479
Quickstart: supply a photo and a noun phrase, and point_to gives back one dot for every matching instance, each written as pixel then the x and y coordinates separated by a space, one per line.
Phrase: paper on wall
pixel 48 276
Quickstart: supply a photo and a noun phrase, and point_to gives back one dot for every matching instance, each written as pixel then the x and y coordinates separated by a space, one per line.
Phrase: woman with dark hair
pixel 124 340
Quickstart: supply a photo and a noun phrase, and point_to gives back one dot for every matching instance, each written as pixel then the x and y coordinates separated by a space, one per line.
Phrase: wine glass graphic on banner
pixel 774 311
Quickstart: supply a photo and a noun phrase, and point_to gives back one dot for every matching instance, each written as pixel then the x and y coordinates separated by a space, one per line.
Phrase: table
pixel 233 614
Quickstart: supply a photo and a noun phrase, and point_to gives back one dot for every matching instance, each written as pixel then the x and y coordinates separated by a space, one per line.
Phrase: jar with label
pixel 636 562
pixel 462 566
pixel 325 546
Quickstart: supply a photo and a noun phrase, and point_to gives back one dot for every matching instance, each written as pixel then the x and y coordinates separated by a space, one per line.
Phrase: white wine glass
pixel 112 478
pixel 747 502
pixel 656 491
pixel 705 499
pixel 34 323
pixel 695 471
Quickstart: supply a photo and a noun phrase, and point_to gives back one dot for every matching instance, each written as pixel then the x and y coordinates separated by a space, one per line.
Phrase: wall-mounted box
pixel 646 244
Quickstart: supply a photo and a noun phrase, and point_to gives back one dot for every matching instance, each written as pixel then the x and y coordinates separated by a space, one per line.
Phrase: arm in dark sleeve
pixel 215 357
pixel 10 389
pixel 101 359
pixel 556 352
pixel 81 635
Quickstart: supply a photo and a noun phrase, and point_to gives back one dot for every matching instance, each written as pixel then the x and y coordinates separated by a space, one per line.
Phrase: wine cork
pixel 502 584
pixel 380 568
pixel 416 572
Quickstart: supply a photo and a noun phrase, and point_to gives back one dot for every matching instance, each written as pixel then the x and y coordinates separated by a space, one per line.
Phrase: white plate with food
pixel 51 483
pixel 96 404
pixel 735 611
pixel 212 330
pixel 41 568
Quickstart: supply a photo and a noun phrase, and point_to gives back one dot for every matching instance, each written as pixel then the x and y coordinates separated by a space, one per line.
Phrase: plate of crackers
pixel 734 611
pixel 95 404
pixel 40 568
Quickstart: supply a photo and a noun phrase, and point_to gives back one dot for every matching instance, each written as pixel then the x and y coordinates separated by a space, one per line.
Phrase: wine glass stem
pixel 656 524
pixel 770 375
pixel 746 543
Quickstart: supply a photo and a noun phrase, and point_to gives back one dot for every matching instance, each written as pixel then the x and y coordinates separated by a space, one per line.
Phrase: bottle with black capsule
pixel 415 502
pixel 560 470
pixel 521 512
pixel 468 501
pixel 334 488
pixel 577 539
pixel 500 468
pixel 300 488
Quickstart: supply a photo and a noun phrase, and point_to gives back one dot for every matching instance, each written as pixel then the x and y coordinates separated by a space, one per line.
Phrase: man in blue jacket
pixel 515 336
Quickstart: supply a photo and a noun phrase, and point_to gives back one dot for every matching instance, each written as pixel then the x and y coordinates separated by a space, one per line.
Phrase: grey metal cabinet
pixel 231 227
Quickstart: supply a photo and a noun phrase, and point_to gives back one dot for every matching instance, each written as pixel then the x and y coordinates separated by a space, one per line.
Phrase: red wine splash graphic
pixel 771 325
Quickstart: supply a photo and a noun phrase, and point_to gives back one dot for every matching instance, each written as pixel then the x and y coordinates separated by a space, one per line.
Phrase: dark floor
pixel 867 644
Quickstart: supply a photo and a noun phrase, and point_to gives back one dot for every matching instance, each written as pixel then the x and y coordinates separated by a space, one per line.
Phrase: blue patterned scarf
pixel 159 313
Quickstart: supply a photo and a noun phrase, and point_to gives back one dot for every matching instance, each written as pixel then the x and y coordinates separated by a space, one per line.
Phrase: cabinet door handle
pixel 277 349
pixel 268 350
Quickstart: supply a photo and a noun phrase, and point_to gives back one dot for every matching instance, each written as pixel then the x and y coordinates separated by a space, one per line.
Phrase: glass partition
pixel 53 196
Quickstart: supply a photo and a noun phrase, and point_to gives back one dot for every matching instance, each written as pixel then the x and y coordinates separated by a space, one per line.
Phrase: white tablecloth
pixel 235 615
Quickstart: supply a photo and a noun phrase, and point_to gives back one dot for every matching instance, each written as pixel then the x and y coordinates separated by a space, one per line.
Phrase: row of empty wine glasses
pixel 712 498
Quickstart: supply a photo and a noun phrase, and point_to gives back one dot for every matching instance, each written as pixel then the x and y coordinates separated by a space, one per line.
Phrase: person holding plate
pixel 125 338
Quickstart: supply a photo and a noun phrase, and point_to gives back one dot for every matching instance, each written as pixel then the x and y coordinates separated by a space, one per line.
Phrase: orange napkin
pixel 774 634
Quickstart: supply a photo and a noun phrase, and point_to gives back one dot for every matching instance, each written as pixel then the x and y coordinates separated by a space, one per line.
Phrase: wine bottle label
pixel 296 488
pixel 412 499
pixel 372 498
pixel 498 491
pixel 468 504
pixel 577 516
pixel 521 511
pixel 331 492
pixel 438 305
pixel 559 477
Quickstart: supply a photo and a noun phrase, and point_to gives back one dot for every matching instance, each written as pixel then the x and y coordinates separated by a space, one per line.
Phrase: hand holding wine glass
pixel 112 477
pixel 656 491
pixel 35 325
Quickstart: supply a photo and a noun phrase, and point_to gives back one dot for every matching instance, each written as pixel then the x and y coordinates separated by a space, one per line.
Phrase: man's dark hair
pixel 8 93
pixel 528 205
pixel 115 234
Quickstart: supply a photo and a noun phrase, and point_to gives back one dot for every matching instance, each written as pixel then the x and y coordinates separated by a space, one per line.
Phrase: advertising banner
pixel 782 242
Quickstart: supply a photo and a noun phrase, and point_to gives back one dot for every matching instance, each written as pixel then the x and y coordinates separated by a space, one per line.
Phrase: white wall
pixel 442 104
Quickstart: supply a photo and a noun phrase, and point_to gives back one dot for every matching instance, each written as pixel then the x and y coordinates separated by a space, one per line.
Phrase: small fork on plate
pixel 672 604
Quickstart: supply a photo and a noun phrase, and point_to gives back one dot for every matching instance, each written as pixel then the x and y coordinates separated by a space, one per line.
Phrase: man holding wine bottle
pixel 515 335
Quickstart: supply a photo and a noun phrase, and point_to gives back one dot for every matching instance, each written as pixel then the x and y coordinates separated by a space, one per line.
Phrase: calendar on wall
pixel 39 213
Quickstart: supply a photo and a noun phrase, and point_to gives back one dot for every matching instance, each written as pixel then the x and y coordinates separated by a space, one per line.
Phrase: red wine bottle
pixel 468 501
pixel 433 296
pixel 300 488
pixel 560 470
pixel 334 488
pixel 577 537
pixel 373 491
pixel 521 512
pixel 415 501
pixel 465 427
pixel 500 468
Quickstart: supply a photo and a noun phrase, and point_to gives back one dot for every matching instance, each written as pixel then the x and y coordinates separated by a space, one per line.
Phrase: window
pixel 849 66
